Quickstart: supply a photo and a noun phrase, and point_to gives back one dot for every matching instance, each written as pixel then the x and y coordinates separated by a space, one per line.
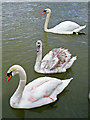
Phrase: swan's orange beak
pixel 43 13
pixel 9 77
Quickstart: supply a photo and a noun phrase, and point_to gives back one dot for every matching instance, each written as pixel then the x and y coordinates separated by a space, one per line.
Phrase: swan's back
pixel 67 26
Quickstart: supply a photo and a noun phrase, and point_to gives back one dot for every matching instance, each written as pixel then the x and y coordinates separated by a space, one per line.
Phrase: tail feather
pixel 80 28
pixel 69 64
pixel 64 84
pixel 60 88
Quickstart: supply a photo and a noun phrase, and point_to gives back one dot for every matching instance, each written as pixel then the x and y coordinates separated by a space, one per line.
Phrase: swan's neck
pixel 47 21
pixel 38 60
pixel 15 99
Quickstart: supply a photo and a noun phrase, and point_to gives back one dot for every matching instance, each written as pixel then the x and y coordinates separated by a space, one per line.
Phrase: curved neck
pixel 18 93
pixel 47 21
pixel 38 60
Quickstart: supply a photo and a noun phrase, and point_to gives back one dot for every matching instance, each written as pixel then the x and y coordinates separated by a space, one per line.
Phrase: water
pixel 22 26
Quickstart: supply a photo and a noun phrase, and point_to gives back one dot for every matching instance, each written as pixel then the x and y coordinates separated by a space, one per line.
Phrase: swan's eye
pixel 44 11
pixel 38 43
pixel 9 74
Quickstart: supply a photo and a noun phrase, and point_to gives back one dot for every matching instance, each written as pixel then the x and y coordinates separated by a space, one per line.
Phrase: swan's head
pixel 38 45
pixel 47 10
pixel 13 70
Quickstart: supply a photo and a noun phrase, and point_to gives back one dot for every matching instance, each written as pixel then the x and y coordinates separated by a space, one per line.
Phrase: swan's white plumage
pixel 66 27
pixel 56 61
pixel 89 96
pixel 41 91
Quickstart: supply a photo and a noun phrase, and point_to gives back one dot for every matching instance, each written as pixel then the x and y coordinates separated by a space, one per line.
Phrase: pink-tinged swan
pixel 66 27
pixel 56 61
pixel 39 92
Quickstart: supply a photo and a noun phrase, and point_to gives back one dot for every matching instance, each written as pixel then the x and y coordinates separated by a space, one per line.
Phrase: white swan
pixel 56 61
pixel 66 27
pixel 41 91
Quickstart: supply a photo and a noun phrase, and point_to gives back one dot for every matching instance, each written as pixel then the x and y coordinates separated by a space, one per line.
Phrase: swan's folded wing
pixel 34 92
pixel 49 61
pixel 44 90
pixel 66 26
pixel 58 57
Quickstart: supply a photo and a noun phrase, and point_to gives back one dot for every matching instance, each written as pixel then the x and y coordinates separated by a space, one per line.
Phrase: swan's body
pixel 41 91
pixel 89 96
pixel 56 61
pixel 66 27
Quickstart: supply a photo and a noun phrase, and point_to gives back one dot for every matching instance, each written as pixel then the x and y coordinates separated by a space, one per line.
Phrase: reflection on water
pixel 22 26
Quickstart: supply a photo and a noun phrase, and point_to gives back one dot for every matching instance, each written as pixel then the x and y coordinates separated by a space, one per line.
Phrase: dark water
pixel 22 26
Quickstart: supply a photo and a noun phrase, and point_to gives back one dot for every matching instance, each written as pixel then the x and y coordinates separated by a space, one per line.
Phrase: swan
pixel 66 27
pixel 56 61
pixel 41 91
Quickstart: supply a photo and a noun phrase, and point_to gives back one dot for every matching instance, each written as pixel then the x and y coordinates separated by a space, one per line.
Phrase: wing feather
pixel 57 57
